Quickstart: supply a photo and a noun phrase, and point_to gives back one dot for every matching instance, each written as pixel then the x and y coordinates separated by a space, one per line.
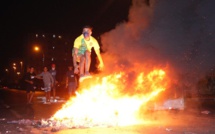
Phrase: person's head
pixel 31 69
pixel 28 69
pixel 45 69
pixel 70 67
pixel 53 66
pixel 87 31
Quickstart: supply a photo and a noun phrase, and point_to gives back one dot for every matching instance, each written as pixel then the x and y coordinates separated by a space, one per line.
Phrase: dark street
pixel 16 116
pixel 14 107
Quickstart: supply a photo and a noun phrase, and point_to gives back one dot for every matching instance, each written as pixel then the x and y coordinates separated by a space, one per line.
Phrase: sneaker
pixel 85 77
pixel 81 77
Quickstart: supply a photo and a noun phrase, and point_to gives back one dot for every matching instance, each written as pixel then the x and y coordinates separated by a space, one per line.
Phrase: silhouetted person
pixel 30 84
pixel 71 81
pixel 54 73
pixel 48 83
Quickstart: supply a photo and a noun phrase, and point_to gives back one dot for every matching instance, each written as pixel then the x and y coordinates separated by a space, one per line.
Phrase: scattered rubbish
pixel 42 99
pixel 168 129
pixel 13 122
pixel 205 112
pixel 6 106
pixel 54 129
pixel 22 130
pixel 171 104
pixel 189 133
pixel 7 132
pixel 2 119
pixel 23 121
pixel 56 125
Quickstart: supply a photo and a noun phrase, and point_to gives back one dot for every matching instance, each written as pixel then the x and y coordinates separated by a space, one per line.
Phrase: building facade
pixel 46 49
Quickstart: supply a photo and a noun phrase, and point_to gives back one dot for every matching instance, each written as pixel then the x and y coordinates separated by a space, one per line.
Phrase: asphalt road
pixel 198 117
pixel 13 107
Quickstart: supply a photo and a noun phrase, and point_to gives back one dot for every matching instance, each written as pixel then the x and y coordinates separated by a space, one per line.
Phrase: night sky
pixel 20 18
pixel 174 33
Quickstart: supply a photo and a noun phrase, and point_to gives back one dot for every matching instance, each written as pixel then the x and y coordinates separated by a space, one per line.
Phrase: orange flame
pixel 108 101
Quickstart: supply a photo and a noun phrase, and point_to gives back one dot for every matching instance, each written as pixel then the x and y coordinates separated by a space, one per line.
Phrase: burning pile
pixel 107 101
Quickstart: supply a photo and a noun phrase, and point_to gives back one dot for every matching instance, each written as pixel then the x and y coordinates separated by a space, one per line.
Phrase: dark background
pixel 20 18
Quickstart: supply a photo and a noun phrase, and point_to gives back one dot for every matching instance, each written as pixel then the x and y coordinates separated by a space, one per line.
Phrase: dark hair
pixel 88 26
pixel 45 66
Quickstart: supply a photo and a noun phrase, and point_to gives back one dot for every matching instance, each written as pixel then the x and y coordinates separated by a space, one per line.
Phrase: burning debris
pixel 117 99
pixel 205 112
pixel 53 125
pixel 105 102
pixel 169 104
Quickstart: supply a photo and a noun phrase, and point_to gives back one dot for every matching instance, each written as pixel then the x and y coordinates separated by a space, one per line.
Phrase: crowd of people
pixel 81 54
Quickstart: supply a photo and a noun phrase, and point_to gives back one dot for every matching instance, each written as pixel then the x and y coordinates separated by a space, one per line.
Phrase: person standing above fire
pixel 82 52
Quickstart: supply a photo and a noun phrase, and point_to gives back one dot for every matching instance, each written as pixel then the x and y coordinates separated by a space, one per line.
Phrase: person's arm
pixel 75 55
pixel 67 81
pixel 29 81
pixel 39 76
pixel 101 64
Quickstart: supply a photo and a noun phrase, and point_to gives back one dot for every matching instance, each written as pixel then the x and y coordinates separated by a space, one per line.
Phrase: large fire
pixel 105 101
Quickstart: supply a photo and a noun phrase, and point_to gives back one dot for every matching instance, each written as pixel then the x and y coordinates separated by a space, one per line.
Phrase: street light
pixel 14 72
pixel 21 66
pixel 6 70
pixel 14 68
pixel 37 49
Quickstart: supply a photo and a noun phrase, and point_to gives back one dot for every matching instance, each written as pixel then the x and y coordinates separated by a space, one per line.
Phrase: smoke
pixel 177 34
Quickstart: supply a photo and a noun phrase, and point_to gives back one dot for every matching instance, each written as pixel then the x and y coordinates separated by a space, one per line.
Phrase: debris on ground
pixel 168 129
pixel 205 112
pixel 171 104
pixel 55 125
pixel 2 119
